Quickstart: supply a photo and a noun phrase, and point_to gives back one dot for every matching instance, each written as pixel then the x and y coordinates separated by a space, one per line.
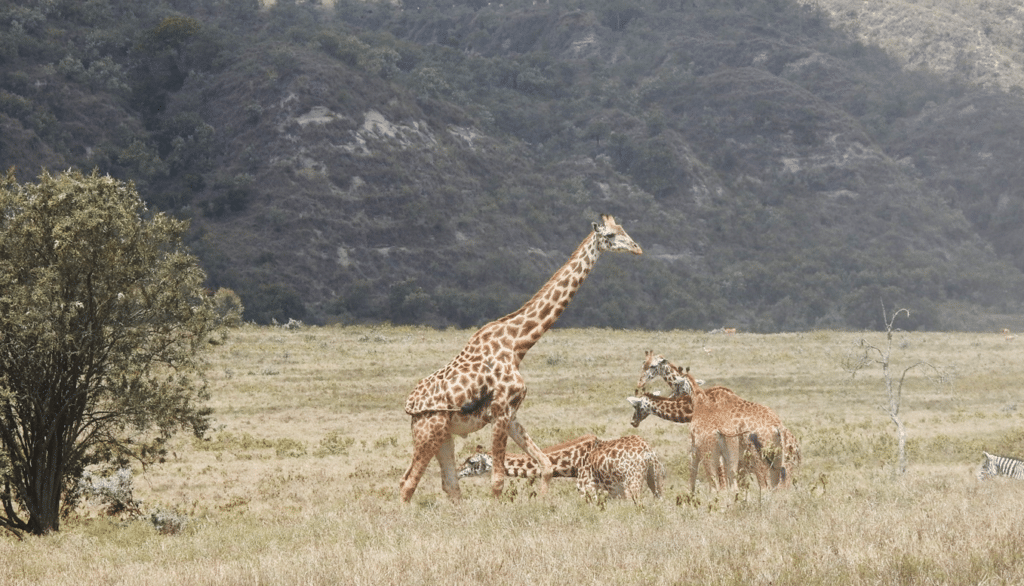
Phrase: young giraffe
pixel 483 384
pixel 772 465
pixel 619 467
pixel 768 461
pixel 680 410
pixel 565 460
pixel 720 416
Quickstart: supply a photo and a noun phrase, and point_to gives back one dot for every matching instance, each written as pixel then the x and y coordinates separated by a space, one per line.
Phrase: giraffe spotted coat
pixel 618 467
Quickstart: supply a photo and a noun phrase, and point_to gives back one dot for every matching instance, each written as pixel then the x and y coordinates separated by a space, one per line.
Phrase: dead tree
pixel 868 354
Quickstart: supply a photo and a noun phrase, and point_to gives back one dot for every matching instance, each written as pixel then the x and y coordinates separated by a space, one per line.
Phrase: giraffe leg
pixel 764 457
pixel 428 432
pixel 730 460
pixel 449 479
pixel 735 446
pixel 754 446
pixel 713 470
pixel 655 476
pixel 711 451
pixel 522 438
pixel 585 484
pixel 412 476
pixel 778 462
pixel 499 440
pixel 633 485
pixel 695 458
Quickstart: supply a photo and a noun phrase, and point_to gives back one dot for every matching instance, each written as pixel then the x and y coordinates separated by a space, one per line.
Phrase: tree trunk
pixel 43 493
pixel 894 410
pixel 901 444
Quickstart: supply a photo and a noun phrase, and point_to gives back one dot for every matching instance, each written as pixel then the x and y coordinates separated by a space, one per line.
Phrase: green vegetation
pixel 102 320
pixel 432 163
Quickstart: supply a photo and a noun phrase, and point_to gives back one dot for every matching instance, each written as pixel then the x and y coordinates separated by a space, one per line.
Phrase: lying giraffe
pixel 482 384
pixel 718 416
pixel 565 460
pixel 618 467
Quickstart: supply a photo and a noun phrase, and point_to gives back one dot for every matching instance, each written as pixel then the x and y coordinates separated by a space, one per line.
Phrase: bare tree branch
pixel 869 354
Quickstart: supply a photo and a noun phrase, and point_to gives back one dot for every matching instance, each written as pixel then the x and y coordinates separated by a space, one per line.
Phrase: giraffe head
pixel 611 236
pixel 687 382
pixel 477 464
pixel 654 366
pixel 642 407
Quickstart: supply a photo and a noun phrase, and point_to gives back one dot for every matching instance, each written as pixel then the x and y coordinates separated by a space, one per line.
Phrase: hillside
pixel 434 163
pixel 979 42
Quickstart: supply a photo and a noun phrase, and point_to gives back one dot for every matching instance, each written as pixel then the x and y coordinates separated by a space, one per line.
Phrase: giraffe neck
pixel 677 379
pixel 566 458
pixel 678 409
pixel 527 324
pixel 520 466
pixel 698 395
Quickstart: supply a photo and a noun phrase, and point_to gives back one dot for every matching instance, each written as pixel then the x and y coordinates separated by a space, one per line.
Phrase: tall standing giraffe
pixel 482 384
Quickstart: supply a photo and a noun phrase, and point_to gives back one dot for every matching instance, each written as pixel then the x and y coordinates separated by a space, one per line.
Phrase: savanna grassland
pixel 297 482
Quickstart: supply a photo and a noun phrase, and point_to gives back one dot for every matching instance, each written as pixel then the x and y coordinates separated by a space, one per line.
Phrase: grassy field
pixel 298 481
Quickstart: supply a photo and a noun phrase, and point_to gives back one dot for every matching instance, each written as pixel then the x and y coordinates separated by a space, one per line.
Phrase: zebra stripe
pixel 1001 466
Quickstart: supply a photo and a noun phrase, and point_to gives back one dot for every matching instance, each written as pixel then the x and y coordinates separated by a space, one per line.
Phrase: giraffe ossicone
pixel 482 385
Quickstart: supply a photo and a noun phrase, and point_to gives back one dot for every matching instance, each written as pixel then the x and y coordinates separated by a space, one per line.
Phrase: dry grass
pixel 298 482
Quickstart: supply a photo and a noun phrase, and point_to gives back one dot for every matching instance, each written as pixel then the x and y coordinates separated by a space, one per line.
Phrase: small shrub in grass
pixel 230 442
pixel 289 448
pixel 115 493
pixel 228 307
pixel 168 522
pixel 384 442
pixel 333 444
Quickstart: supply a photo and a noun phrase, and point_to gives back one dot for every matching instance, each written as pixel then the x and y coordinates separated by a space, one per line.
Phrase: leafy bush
pixel 408 303
pixel 227 305
pixel 270 302
pixel 115 493
pixel 91 286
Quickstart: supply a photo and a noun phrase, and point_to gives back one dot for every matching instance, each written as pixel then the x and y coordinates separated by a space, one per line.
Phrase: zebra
pixel 1001 466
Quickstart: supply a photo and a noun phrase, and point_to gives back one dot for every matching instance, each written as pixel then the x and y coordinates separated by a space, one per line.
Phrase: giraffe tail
pixel 655 474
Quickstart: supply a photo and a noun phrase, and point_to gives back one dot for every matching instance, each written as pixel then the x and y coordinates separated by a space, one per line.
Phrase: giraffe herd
pixel 720 424
pixel 482 385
